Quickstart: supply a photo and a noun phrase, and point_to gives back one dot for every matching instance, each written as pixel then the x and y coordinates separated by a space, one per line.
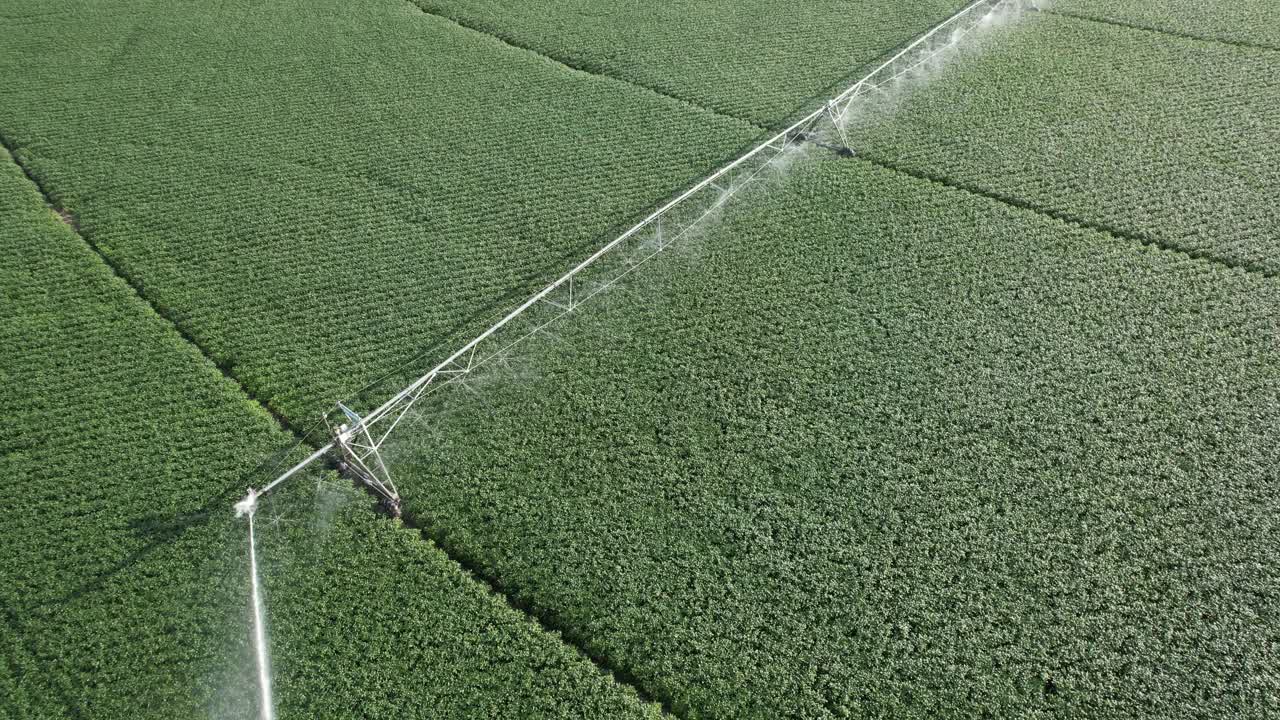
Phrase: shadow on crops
pixel 60 692
pixel 157 531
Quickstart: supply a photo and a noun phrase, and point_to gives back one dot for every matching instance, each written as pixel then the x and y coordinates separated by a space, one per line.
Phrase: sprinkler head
pixel 248 504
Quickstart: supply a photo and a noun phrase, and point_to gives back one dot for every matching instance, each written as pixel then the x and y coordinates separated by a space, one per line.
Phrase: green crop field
pixel 978 420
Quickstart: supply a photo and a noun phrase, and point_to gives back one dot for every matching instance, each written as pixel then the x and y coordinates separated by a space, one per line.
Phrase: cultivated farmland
pixel 978 422
pixel 124 580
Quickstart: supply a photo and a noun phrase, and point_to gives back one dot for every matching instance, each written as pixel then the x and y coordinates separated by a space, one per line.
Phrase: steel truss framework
pixel 359 440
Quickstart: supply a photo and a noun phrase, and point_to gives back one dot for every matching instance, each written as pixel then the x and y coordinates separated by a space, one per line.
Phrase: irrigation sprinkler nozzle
pixel 248 504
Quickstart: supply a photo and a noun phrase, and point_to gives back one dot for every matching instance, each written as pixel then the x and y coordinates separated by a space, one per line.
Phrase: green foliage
pixel 256 166
pixel 1169 139
pixel 758 60
pixel 1242 21
pixel 124 580
pixel 879 448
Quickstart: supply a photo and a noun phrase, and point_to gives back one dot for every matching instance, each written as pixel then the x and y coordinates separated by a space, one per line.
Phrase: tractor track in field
pixel 1066 217
pixel 72 222
pixel 567 64
pixel 567 634
pixel 1183 35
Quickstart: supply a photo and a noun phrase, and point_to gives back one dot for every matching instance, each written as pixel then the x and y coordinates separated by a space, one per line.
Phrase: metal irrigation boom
pixel 358 441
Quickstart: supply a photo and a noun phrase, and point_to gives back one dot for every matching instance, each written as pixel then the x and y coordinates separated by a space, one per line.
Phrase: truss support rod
pixel 355 462
pixel 835 122
pixel 386 474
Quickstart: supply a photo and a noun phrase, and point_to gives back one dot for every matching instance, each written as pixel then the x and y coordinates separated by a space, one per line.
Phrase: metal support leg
pixel 834 116
pixel 363 462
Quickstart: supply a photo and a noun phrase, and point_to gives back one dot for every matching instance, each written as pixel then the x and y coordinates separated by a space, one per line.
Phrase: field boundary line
pixel 566 634
pixel 1144 27
pixel 517 45
pixel 1067 217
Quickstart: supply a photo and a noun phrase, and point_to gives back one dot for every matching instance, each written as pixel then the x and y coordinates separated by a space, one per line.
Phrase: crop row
pixel 349 186
pixel 758 60
pixel 124 578
pixel 879 448
pixel 1168 139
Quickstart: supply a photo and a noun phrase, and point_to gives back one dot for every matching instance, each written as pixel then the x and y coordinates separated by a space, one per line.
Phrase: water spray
pixel 248 507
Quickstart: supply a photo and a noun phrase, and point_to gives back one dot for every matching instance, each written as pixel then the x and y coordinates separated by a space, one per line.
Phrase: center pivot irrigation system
pixel 357 442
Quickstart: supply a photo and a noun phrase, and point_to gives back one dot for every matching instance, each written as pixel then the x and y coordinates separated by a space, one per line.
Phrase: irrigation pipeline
pixel 358 443
pixel 291 472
